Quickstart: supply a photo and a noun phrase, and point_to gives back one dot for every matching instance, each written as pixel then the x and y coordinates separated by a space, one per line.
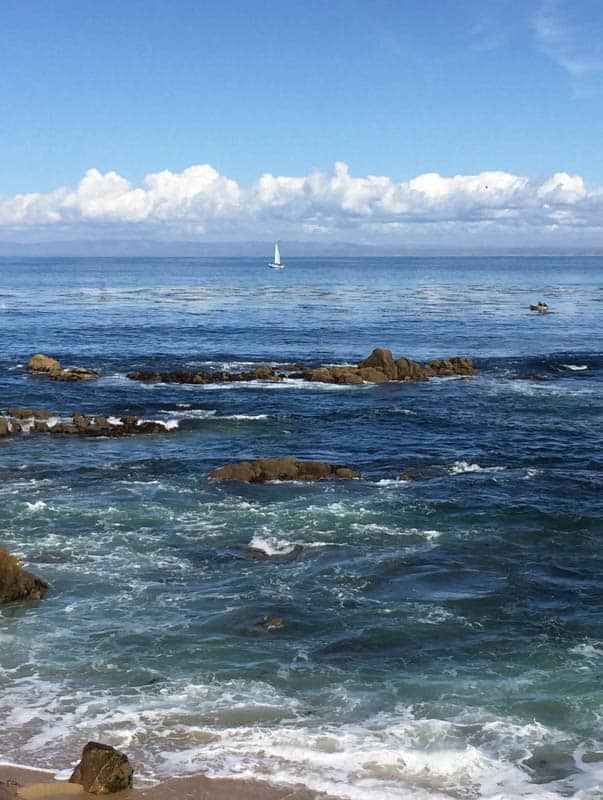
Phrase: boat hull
pixel 276 266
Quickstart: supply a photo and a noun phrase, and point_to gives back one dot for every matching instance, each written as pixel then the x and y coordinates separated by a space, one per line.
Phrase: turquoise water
pixel 443 637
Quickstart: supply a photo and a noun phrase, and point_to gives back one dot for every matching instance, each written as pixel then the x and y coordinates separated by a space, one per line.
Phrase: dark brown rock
pixel 15 426
pixel 102 770
pixel 81 421
pixel 72 374
pixel 372 375
pixel 16 583
pixel 531 376
pixel 63 428
pixel 286 468
pixel 382 360
pixel 21 413
pixel 42 363
pixel 4 427
pixel 40 426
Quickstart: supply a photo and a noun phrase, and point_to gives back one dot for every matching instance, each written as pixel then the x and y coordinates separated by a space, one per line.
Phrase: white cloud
pixel 200 201
pixel 569 36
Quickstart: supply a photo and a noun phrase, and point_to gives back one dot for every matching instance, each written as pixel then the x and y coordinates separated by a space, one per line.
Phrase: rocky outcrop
pixel 286 468
pixel 261 373
pixel 17 583
pixel 51 367
pixel 33 422
pixel 103 770
pixel 379 367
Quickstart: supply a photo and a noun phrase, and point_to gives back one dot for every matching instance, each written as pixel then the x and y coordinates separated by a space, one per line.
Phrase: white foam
pixel 33 508
pixel 271 545
pixel 244 416
pixel 461 467
pixel 575 367
pixel 587 650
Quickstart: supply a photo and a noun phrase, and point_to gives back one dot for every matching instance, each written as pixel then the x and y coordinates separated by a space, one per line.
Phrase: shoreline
pixel 42 784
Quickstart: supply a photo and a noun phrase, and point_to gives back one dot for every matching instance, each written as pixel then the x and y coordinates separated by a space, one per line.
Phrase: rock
pixel 409 370
pixel 5 429
pixel 15 426
pixel 72 374
pixel 40 426
pixel 286 468
pixel 62 428
pixel 21 413
pixel 42 363
pixel 452 366
pixel 592 757
pixel 81 421
pixel 372 375
pixel 346 376
pixel 16 583
pixel 263 372
pixel 383 361
pixel 531 376
pixel 272 623
pixel 42 413
pixel 103 770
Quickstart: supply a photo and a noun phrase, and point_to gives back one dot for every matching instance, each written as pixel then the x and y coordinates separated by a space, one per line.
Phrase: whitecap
pixel 575 367
pixel 33 508
pixel 272 545
pixel 461 467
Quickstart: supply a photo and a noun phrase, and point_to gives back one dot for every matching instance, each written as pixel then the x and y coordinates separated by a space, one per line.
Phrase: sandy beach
pixel 41 785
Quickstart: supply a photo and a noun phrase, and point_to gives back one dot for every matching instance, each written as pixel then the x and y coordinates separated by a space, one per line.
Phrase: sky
pixel 358 120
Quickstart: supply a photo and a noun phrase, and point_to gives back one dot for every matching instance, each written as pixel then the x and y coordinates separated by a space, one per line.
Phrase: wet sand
pixel 41 785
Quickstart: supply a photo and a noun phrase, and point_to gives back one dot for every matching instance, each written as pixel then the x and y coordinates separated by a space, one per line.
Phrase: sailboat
pixel 276 264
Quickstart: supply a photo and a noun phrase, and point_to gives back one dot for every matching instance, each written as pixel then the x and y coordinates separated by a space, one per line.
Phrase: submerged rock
pixel 272 623
pixel 102 770
pixel 17 583
pixel 286 468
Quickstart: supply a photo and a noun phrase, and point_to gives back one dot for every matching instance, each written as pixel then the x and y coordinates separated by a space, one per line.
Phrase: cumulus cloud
pixel 200 201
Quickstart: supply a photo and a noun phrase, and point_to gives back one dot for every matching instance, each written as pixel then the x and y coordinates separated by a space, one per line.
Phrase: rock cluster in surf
pixel 44 365
pixel 26 421
pixel 286 468
pixel 379 367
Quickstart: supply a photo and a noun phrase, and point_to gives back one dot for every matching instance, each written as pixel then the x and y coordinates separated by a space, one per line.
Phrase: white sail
pixel 277 255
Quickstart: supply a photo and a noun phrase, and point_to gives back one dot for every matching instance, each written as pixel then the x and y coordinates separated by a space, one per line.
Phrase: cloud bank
pixel 199 202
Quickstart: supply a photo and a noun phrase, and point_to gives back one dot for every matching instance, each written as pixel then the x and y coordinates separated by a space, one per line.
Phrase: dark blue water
pixel 443 637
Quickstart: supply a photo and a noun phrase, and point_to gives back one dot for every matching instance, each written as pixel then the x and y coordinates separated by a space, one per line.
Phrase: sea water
pixel 443 637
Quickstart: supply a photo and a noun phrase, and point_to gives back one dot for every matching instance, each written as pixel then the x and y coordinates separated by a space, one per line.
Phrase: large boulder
pixel 42 363
pixel 5 429
pixel 16 583
pixel 286 468
pixel 103 770
pixel 383 361
pixel 409 370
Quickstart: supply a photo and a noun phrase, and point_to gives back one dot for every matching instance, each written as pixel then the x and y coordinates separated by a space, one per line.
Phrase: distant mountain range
pixel 134 248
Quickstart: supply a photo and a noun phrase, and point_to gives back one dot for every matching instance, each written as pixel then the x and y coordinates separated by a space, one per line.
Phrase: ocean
pixel 442 638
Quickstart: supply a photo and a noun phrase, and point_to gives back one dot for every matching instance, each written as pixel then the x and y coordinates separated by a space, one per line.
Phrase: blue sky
pixel 393 88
